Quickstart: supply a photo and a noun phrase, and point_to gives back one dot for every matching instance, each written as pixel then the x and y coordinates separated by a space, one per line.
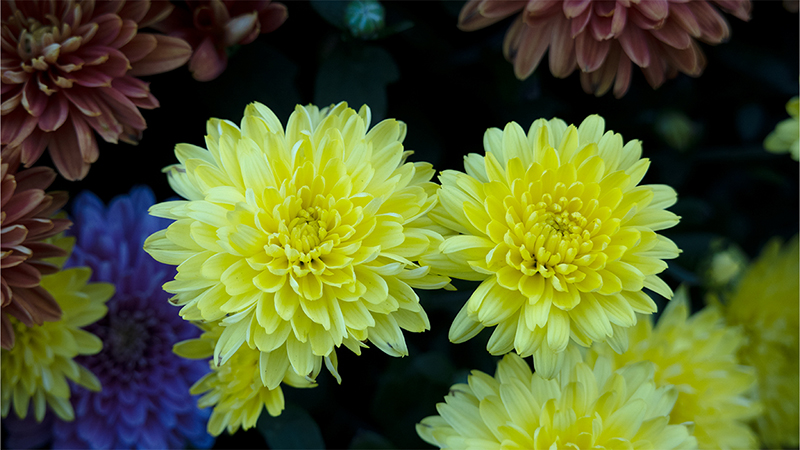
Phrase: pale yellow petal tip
pixel 617 404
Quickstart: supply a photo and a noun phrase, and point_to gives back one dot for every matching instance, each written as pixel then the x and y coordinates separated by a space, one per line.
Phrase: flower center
pixel 553 235
pixel 128 336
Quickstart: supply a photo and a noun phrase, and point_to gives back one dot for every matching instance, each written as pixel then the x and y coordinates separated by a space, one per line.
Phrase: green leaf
pixel 356 74
pixel 293 429
pixel 332 11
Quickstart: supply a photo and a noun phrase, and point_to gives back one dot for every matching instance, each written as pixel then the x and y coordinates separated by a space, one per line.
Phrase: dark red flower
pixel 26 222
pixel 211 26
pixel 69 67
pixel 603 37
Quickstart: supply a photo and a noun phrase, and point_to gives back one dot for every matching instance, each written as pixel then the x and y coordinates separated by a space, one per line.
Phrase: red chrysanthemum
pixel 211 26
pixel 69 67
pixel 26 222
pixel 603 37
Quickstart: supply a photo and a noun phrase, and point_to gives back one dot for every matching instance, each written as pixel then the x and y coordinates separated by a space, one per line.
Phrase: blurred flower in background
pixel 555 225
pixel 145 401
pixel 786 136
pixel 698 355
pixel 240 389
pixel 766 304
pixel 37 368
pixel 27 222
pixel 212 27
pixel 588 405
pixel 603 38
pixel 69 68
pixel 300 241
pixel 365 18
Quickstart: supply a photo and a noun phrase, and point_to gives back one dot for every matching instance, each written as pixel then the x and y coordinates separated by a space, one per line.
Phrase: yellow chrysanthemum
pixel 697 355
pixel 588 406
pixel 304 238
pixel 785 138
pixel 239 389
pixel 765 305
pixel 564 239
pixel 38 366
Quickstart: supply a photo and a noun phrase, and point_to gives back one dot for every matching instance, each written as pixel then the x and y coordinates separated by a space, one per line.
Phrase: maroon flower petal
pixel 275 14
pixel 169 54
pixel 22 275
pixel 574 8
pixel 21 204
pixel 634 43
pixel 108 28
pixel 471 19
pixel 562 49
pixel 239 28
pixel 14 235
pixel 66 149
pixel 534 42
pixel 591 54
pixel 673 35
pixel 207 62
pixel 55 115
pixel 139 47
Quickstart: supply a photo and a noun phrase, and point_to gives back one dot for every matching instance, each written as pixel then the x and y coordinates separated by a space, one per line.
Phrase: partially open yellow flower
pixel 766 304
pixel 241 388
pixel 587 406
pixel 698 355
pixel 304 238
pixel 564 239
pixel 41 362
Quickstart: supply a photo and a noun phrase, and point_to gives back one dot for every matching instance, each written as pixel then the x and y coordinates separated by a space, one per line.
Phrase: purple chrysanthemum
pixel 145 400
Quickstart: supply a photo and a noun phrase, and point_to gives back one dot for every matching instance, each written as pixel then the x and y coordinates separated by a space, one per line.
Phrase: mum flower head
pixel 212 27
pixel 145 400
pixel 43 359
pixel 555 225
pixel 27 221
pixel 589 405
pixel 604 38
pixel 303 237
pixel 765 304
pixel 242 387
pixel 69 69
pixel 698 355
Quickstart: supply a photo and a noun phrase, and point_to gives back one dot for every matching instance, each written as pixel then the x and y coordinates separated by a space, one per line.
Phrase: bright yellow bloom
pixel 38 366
pixel 241 388
pixel 303 238
pixel 785 138
pixel 585 406
pixel 765 305
pixel 697 355
pixel 564 239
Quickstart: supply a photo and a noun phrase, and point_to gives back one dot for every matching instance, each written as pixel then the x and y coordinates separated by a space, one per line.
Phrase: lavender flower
pixel 145 400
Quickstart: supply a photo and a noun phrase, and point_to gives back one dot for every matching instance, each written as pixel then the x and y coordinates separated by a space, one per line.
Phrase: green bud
pixel 364 18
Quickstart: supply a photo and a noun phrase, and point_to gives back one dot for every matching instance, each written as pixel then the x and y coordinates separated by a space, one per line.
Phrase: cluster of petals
pixel 211 27
pixel 589 405
pixel 556 226
pixel 698 355
pixel 605 38
pixel 26 224
pixel 36 371
pixel 766 304
pixel 145 400
pixel 69 70
pixel 241 388
pixel 300 240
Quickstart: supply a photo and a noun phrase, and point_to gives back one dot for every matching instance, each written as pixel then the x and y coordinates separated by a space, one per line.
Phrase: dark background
pixel 449 86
